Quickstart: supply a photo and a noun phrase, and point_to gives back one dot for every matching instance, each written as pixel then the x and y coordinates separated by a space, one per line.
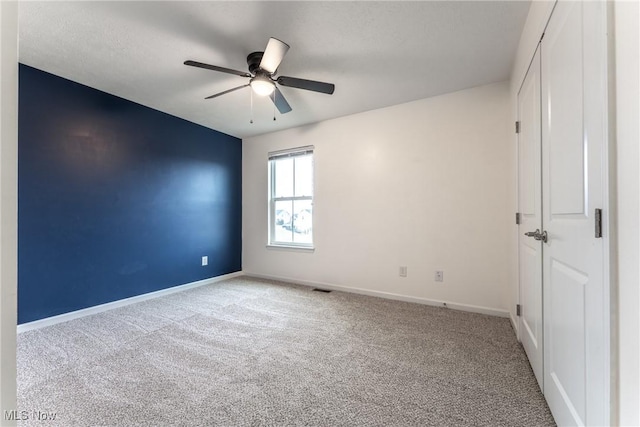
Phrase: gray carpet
pixel 248 352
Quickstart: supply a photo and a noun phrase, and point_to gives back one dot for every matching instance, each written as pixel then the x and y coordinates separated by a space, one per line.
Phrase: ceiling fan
pixel 262 72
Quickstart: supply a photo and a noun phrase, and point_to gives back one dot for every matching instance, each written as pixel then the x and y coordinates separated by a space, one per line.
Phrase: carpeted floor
pixel 248 352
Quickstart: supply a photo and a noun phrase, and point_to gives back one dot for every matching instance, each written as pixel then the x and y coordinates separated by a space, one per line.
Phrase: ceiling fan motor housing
pixel 253 61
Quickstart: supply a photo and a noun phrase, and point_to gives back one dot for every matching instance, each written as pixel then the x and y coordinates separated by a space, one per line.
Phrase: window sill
pixel 291 248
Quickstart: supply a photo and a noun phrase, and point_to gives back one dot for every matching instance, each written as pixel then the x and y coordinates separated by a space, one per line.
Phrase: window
pixel 291 198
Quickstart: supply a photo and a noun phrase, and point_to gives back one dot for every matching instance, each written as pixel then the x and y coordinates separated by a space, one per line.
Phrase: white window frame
pixel 301 151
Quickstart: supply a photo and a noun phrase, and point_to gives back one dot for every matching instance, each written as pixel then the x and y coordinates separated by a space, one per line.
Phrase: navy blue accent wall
pixel 116 199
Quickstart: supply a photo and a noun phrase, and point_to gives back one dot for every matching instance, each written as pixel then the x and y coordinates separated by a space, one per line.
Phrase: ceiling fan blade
pixel 281 103
pixel 273 54
pixel 312 85
pixel 216 68
pixel 226 91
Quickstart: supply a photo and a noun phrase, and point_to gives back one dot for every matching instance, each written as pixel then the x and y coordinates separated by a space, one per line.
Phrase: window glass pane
pixel 304 175
pixel 302 221
pixel 291 178
pixel 283 223
pixel 283 171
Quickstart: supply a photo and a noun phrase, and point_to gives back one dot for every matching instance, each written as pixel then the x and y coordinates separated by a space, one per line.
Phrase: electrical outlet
pixel 403 271
pixel 439 276
pixel 205 260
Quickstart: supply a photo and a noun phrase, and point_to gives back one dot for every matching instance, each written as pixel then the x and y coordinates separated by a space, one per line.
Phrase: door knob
pixel 533 234
pixel 544 236
pixel 538 235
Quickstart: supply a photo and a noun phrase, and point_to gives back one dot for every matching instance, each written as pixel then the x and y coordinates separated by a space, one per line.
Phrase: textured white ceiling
pixel 376 53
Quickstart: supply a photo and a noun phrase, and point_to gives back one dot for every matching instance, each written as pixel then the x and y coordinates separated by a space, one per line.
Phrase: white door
pixel 574 108
pixel 530 209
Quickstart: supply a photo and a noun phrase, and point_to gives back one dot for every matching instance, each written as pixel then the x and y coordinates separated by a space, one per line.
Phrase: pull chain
pixel 251 95
pixel 274 105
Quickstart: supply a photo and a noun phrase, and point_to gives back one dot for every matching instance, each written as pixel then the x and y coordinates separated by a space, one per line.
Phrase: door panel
pixel 531 299
pixel 566 311
pixel 573 60
pixel 563 61
pixel 530 208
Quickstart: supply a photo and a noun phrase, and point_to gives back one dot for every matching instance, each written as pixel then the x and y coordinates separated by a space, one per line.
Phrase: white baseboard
pixel 387 295
pixel 37 324
pixel 514 324
pixel 48 321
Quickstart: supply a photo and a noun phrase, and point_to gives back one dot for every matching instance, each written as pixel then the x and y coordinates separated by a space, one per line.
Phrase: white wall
pixel 427 185
pixel 627 93
pixel 8 202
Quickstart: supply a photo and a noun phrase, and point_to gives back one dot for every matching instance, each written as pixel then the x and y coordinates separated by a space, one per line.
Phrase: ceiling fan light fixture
pixel 262 85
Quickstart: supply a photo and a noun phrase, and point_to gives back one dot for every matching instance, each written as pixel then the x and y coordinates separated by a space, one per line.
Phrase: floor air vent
pixel 326 291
